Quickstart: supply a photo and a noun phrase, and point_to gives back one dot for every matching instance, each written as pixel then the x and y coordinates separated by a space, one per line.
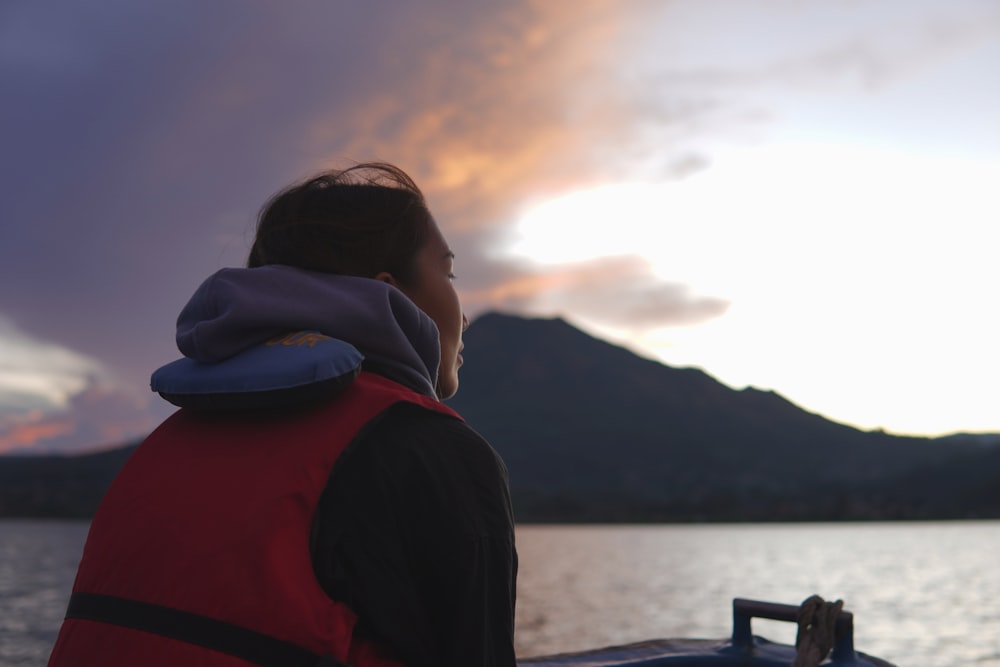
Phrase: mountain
pixel 593 432
pixel 58 486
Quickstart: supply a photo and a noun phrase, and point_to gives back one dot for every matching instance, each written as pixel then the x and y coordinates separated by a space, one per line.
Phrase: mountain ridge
pixel 591 431
pixel 683 442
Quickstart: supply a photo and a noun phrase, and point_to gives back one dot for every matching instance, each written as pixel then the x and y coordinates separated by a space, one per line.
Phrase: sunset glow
pixel 796 196
pixel 854 265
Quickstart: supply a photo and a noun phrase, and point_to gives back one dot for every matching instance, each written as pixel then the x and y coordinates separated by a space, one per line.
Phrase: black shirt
pixel 415 533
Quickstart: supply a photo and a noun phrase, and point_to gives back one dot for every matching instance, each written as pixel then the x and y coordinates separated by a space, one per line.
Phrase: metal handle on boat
pixel 744 610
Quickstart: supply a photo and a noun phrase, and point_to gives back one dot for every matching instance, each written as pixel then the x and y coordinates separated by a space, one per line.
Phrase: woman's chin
pixel 447 387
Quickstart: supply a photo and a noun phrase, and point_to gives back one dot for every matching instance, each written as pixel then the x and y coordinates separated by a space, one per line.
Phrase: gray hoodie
pixel 237 309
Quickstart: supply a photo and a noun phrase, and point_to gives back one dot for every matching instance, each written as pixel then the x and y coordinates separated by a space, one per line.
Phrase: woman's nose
pixel 465 322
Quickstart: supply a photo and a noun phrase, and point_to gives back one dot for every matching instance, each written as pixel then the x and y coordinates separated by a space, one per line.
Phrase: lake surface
pixel 923 594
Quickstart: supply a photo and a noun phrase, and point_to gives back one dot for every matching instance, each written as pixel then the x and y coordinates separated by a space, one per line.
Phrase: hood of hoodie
pixel 235 309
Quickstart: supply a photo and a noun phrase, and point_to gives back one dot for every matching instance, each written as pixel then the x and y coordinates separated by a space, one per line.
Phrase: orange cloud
pixel 99 416
pixel 20 435
pixel 502 107
pixel 491 108
pixel 507 108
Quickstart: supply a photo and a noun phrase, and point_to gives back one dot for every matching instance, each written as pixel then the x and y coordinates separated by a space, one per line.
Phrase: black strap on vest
pixel 210 633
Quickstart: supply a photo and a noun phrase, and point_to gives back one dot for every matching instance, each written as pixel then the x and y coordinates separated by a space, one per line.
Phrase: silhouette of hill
pixel 58 486
pixel 593 432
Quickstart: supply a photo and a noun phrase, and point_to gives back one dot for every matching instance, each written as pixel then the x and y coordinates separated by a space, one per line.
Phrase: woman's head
pixel 370 221
pixel 358 222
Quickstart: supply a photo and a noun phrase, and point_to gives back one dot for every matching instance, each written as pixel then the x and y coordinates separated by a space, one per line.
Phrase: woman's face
pixel 434 293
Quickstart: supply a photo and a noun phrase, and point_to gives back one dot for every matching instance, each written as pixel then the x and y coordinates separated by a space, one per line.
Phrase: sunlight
pixel 609 220
pixel 843 265
pixel 771 214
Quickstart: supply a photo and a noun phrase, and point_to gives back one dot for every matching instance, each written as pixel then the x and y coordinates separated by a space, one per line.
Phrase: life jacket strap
pixel 210 633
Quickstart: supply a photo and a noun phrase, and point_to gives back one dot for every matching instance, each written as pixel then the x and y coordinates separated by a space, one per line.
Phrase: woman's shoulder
pixel 431 461
pixel 410 427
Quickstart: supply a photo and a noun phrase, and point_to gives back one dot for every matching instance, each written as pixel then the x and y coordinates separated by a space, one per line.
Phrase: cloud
pixel 38 373
pixel 869 46
pixel 146 136
pixel 52 397
pixel 618 291
pixel 96 418
pixel 511 104
pixel 488 106
pixel 23 431
pixel 504 104
pixel 168 151
pixel 886 55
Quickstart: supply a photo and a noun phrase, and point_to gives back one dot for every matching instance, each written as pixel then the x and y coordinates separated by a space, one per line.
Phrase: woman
pixel 313 502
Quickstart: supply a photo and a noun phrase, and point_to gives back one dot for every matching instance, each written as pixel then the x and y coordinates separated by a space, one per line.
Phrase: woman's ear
pixel 386 277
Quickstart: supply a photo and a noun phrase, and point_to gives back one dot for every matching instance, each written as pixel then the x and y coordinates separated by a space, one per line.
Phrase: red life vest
pixel 207 529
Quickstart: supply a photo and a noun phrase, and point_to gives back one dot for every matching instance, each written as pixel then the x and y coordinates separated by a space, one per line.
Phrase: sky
pixel 795 196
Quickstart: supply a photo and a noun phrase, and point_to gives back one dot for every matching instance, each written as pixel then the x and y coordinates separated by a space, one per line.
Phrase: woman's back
pixel 289 510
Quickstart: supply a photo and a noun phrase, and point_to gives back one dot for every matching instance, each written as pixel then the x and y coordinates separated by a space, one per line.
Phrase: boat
pixel 835 649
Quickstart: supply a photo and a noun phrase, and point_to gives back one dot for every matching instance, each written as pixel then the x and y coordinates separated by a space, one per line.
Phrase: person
pixel 313 502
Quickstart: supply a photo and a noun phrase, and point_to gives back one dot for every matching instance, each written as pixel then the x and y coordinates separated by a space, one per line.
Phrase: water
pixel 923 594
pixel 38 561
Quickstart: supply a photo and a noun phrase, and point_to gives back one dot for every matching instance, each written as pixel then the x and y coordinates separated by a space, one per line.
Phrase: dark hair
pixel 358 221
